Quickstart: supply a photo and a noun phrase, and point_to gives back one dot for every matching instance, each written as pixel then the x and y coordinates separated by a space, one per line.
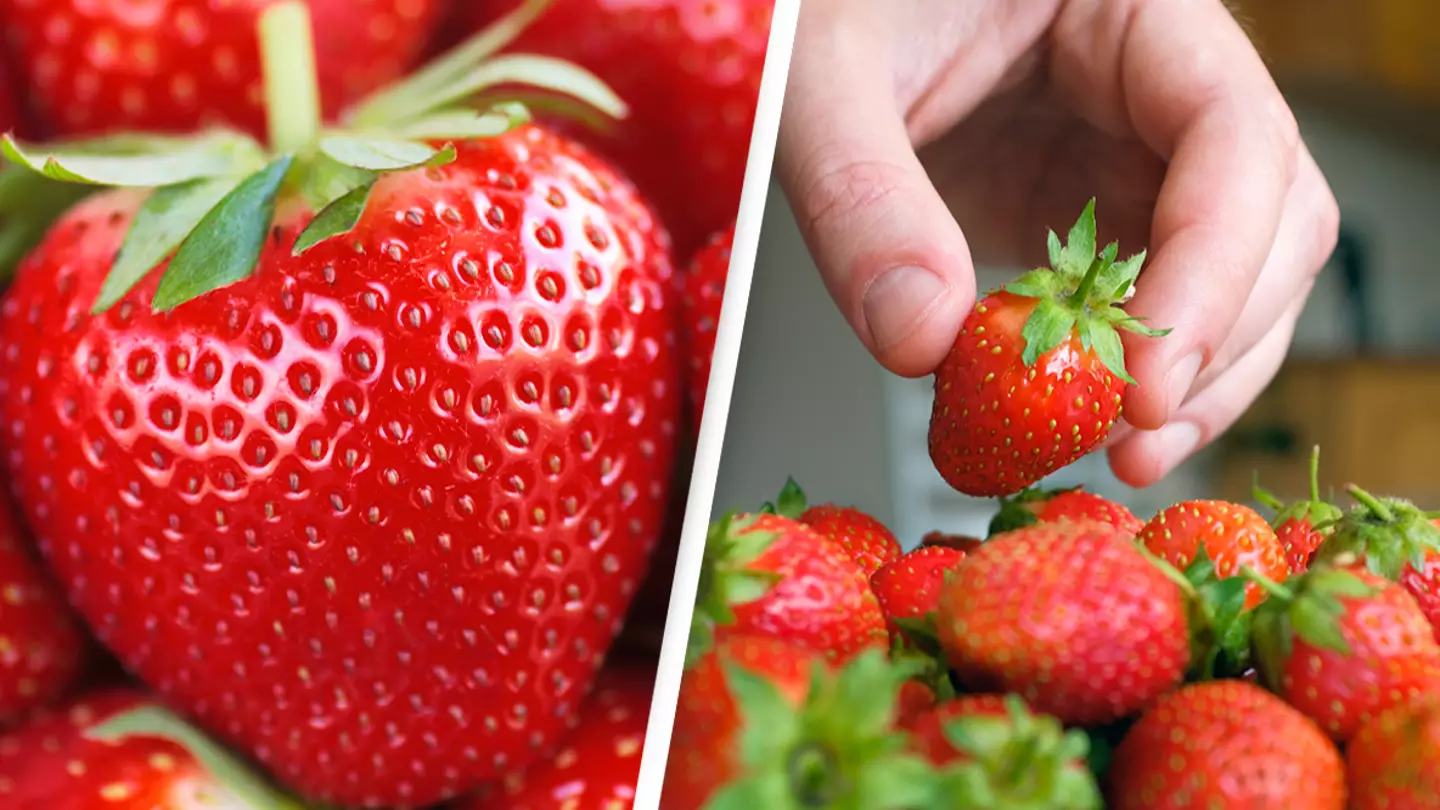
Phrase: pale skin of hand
pixel 923 136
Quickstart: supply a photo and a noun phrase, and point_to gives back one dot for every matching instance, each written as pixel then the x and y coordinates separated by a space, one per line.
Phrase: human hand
pixel 1020 111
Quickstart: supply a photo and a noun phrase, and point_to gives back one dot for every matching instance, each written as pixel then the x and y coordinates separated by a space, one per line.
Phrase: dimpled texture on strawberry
pixel 1071 617
pixel 1233 536
pixel 175 65
pixel 42 648
pixel 702 291
pixel 909 588
pixel 1299 539
pixel 689 71
pixel 998 426
pixel 1225 744
pixel 867 540
pixel 1078 504
pixel 597 765
pixel 1393 762
pixel 372 514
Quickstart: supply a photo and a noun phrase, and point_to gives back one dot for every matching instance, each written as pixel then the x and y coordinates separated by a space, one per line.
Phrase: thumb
pixel 890 252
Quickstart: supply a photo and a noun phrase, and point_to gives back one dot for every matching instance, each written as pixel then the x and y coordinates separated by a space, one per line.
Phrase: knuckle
pixel 843 188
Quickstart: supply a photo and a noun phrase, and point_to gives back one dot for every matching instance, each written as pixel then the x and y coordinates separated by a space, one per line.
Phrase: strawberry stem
pixel 1267 584
pixel 1315 473
pixel 1087 284
pixel 292 90
pixel 1374 504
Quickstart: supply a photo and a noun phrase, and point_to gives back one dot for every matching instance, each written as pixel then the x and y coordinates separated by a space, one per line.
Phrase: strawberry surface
pixel 1234 537
pixel 910 587
pixel 702 293
pixel 1049 506
pixel 1393 762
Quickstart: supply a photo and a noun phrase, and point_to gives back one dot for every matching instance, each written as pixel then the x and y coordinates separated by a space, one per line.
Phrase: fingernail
pixel 1178 381
pixel 899 301
pixel 1174 443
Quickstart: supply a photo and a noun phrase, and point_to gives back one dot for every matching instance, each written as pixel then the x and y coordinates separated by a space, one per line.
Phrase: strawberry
pixel 909 588
pixel 1225 744
pixel 690 72
pixel 1070 616
pixel 914 701
pixel 42 648
pixel 1233 537
pixel 1302 526
pixel 1036 377
pixel 1395 540
pixel 116 750
pixel 702 293
pixel 178 65
pixel 765 574
pixel 366 492
pixel 1423 583
pixel 1000 754
pixel 598 764
pixel 862 536
pixel 1343 645
pixel 959 542
pixel 1393 761
pixel 1050 505
pixel 762 725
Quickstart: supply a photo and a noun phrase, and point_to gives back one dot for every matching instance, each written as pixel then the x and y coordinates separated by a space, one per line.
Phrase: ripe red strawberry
pixel 862 536
pixel 116 750
pixel 42 649
pixel 598 764
pixel 765 574
pixel 371 513
pixel 1393 761
pixel 177 65
pixel 702 293
pixel 762 720
pixel 1225 744
pixel 910 587
pixel 691 75
pixel 997 753
pixel 1343 645
pixel 1036 377
pixel 1423 583
pixel 1070 616
pixel 959 542
pixel 1048 506
pixel 1233 536
pixel 1302 526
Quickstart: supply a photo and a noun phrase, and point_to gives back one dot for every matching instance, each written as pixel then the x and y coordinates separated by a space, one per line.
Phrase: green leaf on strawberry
pixel 791 502
pixel 1220 624
pixel 1307 606
pixel 731 544
pixel 1387 534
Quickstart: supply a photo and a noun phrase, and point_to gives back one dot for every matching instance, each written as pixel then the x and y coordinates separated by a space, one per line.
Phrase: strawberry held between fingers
pixel 866 539
pixel 1036 377
pixel 365 493
pixel 1048 506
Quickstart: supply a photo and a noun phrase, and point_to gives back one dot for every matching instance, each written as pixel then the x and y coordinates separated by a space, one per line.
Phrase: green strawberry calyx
pixel 791 502
pixel 1079 295
pixel 1019 761
pixel 1307 606
pixel 839 749
pixel 726 579
pixel 152 721
pixel 1017 511
pixel 1314 511
pixel 1218 622
pixel 1386 533
pixel 213 197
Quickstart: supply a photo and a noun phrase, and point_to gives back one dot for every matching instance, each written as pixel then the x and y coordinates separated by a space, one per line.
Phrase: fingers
pixel 890 253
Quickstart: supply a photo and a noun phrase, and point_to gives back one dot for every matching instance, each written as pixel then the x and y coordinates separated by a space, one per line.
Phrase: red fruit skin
pixel 1233 536
pixel 179 65
pixel 913 702
pixel 1393 658
pixel 959 542
pixel 1071 617
pixel 1424 585
pixel 597 765
pixel 866 539
pixel 821 599
pixel 910 587
pixel 1299 540
pixel 42 648
pixel 1078 504
pixel 997 427
pixel 1225 744
pixel 701 296
pixel 704 745
pixel 690 73
pixel 927 732
pixel 363 501
pixel 48 764
pixel 1393 761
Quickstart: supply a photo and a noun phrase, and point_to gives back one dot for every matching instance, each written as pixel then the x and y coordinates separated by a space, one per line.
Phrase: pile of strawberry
pixel 347 390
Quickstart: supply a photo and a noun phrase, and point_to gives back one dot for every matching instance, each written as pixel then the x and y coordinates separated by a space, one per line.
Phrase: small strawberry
pixel 910 587
pixel 862 536
pixel 1049 505
pixel 1036 377
pixel 765 574
pixel 1343 645
pixel 1301 526
pixel 959 542
pixel 757 728
pixel 598 764
pixel 702 293
pixel 1233 536
pixel 1225 744
pixel 1071 616
pixel 1393 761
pixel 115 750
pixel 997 753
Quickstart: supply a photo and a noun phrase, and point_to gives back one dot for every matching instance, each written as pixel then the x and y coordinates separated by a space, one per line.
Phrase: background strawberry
pixel 1234 537
pixel 1302 526
pixel 1050 505
pixel 866 539
pixel 1394 760
pixel 959 542
pixel 1036 377
pixel 1390 536
pixel 1071 617
pixel 175 65
pixel 910 587
pixel 702 294
pixel 1225 744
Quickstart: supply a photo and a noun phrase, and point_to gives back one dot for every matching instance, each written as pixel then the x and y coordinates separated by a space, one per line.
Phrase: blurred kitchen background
pixel 1362 379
